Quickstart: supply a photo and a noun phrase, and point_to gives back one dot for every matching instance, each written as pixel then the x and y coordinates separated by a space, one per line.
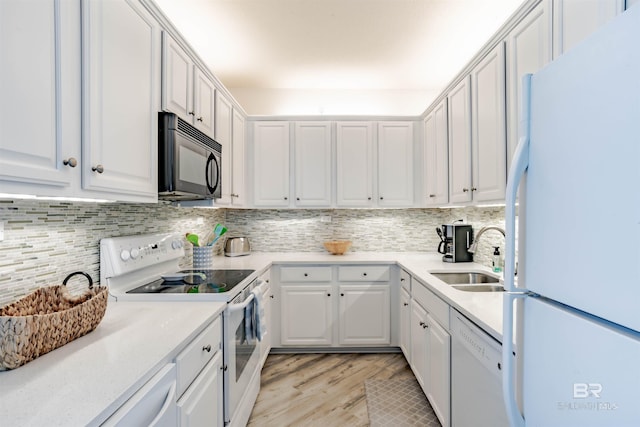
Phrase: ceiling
pixel 336 56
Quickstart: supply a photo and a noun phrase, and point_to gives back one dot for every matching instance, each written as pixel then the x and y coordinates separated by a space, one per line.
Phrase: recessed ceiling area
pixel 337 57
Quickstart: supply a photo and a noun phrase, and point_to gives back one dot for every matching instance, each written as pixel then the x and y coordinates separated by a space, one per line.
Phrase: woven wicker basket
pixel 47 319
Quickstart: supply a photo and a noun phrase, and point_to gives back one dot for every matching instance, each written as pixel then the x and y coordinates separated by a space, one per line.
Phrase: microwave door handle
pixel 207 172
pixel 216 175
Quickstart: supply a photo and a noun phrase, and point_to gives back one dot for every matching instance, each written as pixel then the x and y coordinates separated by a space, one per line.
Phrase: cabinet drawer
pixel 364 273
pixel 196 355
pixel 305 274
pixel 434 305
pixel 405 280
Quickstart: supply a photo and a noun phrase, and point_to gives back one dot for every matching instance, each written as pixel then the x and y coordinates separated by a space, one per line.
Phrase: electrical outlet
pixel 1 231
pixel 325 218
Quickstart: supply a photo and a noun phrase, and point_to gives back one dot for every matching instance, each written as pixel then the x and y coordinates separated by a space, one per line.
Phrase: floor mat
pixel 395 403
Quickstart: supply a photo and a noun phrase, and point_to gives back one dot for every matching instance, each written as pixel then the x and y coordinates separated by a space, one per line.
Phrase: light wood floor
pixel 321 389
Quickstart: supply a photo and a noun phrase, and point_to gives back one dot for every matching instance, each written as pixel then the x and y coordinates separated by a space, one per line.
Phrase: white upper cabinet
pixel 395 164
pixel 436 157
pixel 488 119
pixel 528 50
pixel 186 89
pixel 313 165
pixel 238 197
pixel 630 3
pixel 459 100
pixel 121 77
pixel 574 20
pixel 271 163
pixel 224 134
pixel 354 164
pixel 37 79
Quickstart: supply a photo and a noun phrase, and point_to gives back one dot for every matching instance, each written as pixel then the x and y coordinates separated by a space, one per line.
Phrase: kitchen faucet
pixel 474 245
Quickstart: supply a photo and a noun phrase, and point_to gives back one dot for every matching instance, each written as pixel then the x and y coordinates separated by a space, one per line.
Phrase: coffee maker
pixel 455 240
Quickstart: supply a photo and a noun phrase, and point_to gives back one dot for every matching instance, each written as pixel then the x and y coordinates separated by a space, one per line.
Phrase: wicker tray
pixel 47 319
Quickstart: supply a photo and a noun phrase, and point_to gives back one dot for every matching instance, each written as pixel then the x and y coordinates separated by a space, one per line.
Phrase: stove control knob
pixel 125 255
pixel 134 253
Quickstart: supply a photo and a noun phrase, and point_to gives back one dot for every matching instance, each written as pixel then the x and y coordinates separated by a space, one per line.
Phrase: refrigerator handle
pixel 519 165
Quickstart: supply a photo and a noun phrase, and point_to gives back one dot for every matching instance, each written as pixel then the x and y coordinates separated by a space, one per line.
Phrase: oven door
pixel 242 357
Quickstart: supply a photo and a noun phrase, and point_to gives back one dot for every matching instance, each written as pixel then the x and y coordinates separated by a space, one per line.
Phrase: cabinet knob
pixel 306 275
pixel 341 294
pixel 425 326
pixel 98 168
pixel 473 188
pixel 199 119
pixel 286 198
pixel 464 190
pixel 405 304
pixel 432 195
pixel 499 366
pixel 271 296
pixel 297 198
pixel 402 279
pixel 328 295
pixel 364 274
pixel 421 323
pixel 368 198
pixel 192 113
pixel 381 198
pixel 234 195
pixel 207 348
pixel 71 162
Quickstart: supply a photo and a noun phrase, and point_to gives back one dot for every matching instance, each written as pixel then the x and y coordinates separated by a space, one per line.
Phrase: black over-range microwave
pixel 189 162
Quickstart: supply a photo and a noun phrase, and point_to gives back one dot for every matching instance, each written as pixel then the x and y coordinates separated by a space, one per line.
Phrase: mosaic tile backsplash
pixel 45 241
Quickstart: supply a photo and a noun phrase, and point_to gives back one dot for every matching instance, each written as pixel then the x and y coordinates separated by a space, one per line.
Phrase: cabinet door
pixel 365 314
pixel 237 160
pixel 419 344
pixel 460 143
pixel 574 20
pixel 271 164
pixel 35 138
pixel 202 403
pixel 313 168
pixel 177 79
pixel 204 103
pixel 405 324
pixel 354 164
pixel 436 157
pixel 395 164
pixel 224 137
pixel 121 77
pixel 306 315
pixel 488 120
pixel 528 50
pixel 438 390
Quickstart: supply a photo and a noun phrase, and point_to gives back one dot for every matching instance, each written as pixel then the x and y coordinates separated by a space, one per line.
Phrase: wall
pixel 45 241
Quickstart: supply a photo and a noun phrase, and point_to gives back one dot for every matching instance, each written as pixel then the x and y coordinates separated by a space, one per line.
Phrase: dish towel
pixel 249 327
pixel 260 321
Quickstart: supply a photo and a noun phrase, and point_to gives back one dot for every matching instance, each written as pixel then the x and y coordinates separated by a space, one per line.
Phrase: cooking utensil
pixel 218 232
pixel 193 238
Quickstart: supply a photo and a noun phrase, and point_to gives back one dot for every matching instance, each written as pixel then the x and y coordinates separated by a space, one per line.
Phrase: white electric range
pixel 146 268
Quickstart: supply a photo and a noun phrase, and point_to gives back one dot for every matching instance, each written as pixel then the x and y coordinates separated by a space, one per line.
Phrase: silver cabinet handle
pixel 71 162
pixel 98 168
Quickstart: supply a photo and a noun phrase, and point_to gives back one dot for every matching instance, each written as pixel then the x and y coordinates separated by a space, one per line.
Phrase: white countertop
pixel 84 381
pixel 483 308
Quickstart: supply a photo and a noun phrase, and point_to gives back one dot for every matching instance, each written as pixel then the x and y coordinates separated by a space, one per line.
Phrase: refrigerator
pixel 572 313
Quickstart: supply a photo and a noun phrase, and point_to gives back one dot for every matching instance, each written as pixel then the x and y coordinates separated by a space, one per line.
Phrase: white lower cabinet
pixel 405 324
pixel 201 404
pixel 306 315
pixel 365 314
pixel 333 306
pixel 419 343
pixel 439 367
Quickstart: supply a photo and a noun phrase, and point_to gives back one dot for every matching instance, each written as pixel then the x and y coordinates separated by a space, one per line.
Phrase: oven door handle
pixel 241 306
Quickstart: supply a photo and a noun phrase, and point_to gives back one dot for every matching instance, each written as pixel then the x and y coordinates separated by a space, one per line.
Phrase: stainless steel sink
pixel 479 288
pixel 465 278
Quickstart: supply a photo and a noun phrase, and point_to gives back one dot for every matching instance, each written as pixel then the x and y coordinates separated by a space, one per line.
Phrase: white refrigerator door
pixel 578 372
pixel 581 230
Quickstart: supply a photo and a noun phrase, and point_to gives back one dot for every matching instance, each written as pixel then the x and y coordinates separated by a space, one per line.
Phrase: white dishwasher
pixel 476 376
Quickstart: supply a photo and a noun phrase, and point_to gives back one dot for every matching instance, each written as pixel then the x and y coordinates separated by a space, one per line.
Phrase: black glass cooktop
pixel 194 281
